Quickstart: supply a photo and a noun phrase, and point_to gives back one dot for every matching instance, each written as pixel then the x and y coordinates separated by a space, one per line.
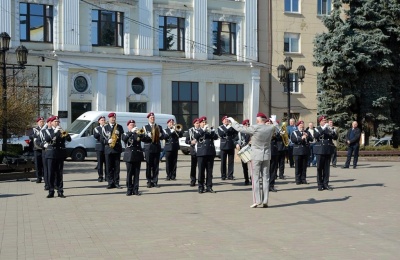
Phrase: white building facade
pixel 186 57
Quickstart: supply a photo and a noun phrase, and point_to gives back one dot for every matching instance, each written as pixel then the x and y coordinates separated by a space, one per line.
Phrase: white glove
pixel 110 141
pixel 149 134
pixel 231 119
pixel 228 126
pixel 134 129
pixel 116 132
pixel 54 138
pixel 45 145
pixel 325 126
pixel 172 131
pixel 273 118
pixel 58 128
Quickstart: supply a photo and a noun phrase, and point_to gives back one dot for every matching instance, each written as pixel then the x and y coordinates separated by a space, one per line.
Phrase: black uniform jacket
pixel 172 140
pixel 149 145
pixel 133 143
pixel 301 146
pixel 324 137
pixel 56 143
pixel 107 134
pixel 189 139
pixel 227 137
pixel 205 142
pixel 97 134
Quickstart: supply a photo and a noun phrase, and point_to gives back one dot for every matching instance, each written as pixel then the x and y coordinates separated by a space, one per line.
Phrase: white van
pixel 81 130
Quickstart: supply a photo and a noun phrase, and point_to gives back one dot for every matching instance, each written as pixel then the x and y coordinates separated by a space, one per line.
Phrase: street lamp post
pixel 22 55
pixel 284 76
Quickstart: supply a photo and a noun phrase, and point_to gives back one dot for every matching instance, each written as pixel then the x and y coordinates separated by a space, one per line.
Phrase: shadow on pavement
pixel 310 201
pixel 13 195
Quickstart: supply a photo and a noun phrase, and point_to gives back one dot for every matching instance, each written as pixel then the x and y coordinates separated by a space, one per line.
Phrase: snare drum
pixel 244 154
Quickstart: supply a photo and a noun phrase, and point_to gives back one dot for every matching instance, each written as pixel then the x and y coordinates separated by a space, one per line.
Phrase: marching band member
pixel 323 149
pixel 41 142
pixel 205 137
pixel 227 135
pixel 301 148
pixel 101 159
pixel 171 148
pixel 241 141
pixel 112 133
pixel 152 148
pixel 261 135
pixel 133 157
pixel 193 158
pixel 56 153
pixel 37 150
pixel 282 151
pixel 273 167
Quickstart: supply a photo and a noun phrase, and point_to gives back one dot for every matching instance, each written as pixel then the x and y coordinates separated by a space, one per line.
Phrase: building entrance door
pixel 78 108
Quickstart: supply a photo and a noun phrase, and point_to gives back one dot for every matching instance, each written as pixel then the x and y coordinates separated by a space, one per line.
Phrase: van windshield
pixel 77 126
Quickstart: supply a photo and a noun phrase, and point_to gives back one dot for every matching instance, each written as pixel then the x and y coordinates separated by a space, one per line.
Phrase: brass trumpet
pixel 140 133
pixel 178 127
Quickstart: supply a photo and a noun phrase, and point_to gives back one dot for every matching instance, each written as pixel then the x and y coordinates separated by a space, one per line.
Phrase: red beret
pixel 48 119
pixel 150 114
pixel 53 118
pixel 300 122
pixel 321 118
pixel 101 118
pixel 262 115
pixel 39 118
pixel 195 120
pixel 112 114
pixel 246 121
pixel 130 121
pixel 224 117
pixel 203 118
pixel 170 120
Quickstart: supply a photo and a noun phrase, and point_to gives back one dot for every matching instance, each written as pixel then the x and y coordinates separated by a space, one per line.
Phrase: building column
pixel 251 30
pixel 145 41
pixel 5 20
pixel 62 93
pixel 200 19
pixel 155 92
pixel 69 40
pixel 101 96
pixel 120 91
pixel 254 103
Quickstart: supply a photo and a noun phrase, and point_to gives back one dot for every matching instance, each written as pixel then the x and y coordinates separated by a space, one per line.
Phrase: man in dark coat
pixel 353 143
pixel 193 158
pixel 171 148
pixel 101 158
pixel 227 145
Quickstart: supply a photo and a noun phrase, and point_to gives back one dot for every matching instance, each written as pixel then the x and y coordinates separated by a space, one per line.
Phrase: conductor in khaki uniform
pixel 261 135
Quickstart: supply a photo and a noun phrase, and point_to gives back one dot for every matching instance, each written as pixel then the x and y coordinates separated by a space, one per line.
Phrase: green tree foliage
pixel 359 56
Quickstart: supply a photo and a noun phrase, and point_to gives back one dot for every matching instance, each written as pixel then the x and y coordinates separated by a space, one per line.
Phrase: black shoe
pixel 320 189
pixel 201 190
pixel 129 193
pixel 137 193
pixel 223 178
pixel 118 186
pixel 61 195
pixel 354 167
pixel 298 183
pixel 334 165
pixel 39 180
pixel 231 178
pixel 46 188
pixel 155 185
pixel 110 186
pixel 149 185
pixel 100 179
pixel 282 177
pixel 304 182
pixel 247 183
pixel 291 166
pixel 345 167
pixel 327 187
pixel 272 189
pixel 167 179
pixel 50 195
pixel 173 178
pixel 192 184
pixel 210 190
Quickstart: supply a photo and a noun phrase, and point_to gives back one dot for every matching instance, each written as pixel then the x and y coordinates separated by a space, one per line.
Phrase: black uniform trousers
pixel 171 159
pixel 281 163
pixel 273 170
pixel 300 163
pixel 38 164
pixel 193 165
pixel 55 168
pixel 290 156
pixel 101 161
pixel 245 168
pixel 113 168
pixel 132 176
pixel 231 156
pixel 45 171
pixel 323 169
pixel 334 156
pixel 205 165
pixel 152 167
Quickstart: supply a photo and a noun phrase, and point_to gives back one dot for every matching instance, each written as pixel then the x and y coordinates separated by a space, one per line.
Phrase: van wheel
pixel 78 154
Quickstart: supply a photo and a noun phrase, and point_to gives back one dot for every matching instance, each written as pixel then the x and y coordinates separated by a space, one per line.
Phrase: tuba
pixel 155 134
pixel 284 134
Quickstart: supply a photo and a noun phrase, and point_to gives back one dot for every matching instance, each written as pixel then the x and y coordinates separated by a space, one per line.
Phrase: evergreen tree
pixel 358 56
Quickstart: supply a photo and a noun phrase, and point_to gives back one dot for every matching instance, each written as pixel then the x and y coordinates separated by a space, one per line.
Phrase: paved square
pixel 359 219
